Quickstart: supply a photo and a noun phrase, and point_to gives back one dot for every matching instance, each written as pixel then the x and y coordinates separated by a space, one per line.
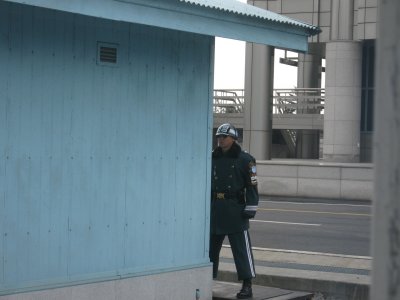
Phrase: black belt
pixel 227 195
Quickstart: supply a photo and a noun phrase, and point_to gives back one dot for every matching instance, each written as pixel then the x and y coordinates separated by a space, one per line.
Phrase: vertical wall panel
pixel 3 135
pixel 104 169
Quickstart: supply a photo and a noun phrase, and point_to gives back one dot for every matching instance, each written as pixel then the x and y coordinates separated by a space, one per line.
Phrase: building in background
pixel 105 132
pixel 332 122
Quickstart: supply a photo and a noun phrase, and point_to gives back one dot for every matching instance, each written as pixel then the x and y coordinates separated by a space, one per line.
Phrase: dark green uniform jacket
pixel 234 195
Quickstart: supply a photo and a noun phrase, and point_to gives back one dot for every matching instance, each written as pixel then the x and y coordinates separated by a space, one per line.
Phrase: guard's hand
pixel 248 214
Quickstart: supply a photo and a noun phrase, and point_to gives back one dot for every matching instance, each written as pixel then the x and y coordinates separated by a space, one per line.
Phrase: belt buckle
pixel 220 196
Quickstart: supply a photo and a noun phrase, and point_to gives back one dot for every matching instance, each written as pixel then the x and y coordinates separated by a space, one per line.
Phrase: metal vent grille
pixel 107 54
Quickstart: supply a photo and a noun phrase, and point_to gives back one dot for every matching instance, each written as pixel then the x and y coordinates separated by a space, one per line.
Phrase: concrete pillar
pixel 309 67
pixel 343 101
pixel 342 87
pixel 309 76
pixel 307 144
pixel 258 86
pixel 342 18
pixel 386 213
pixel 257 131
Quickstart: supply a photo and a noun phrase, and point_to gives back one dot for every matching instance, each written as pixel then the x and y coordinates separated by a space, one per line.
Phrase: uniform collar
pixel 233 152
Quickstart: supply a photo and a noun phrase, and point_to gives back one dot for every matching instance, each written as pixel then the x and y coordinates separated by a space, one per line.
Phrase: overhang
pixel 223 18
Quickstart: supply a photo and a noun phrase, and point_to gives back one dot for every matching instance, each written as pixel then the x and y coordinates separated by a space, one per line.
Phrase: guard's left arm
pixel 251 190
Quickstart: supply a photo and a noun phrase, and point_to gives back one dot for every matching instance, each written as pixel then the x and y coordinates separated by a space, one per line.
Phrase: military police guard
pixel 234 200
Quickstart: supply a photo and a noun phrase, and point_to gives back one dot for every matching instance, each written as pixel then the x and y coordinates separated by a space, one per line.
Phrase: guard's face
pixel 225 142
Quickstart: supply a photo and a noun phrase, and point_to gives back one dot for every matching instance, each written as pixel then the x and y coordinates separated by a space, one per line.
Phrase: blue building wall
pixel 104 170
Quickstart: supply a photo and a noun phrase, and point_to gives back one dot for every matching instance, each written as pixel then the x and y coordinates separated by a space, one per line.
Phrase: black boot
pixel 246 291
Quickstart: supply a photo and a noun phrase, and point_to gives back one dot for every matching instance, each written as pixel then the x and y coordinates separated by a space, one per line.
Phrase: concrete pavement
pixel 228 290
pixel 329 276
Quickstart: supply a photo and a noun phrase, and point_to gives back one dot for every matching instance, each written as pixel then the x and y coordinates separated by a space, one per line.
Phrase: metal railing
pixel 228 101
pixel 285 101
pixel 290 137
pixel 299 101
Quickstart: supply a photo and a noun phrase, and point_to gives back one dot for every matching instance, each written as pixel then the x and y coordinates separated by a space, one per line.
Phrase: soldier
pixel 234 200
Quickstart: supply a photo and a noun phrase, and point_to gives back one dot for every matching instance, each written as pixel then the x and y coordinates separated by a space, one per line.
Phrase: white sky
pixel 230 61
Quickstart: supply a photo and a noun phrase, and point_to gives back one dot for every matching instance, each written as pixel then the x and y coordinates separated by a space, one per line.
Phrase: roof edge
pixel 247 10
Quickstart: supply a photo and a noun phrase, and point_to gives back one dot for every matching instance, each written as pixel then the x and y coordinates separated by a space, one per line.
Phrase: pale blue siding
pixel 104 171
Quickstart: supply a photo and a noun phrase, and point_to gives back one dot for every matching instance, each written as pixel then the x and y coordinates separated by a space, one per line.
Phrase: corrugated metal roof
pixel 224 18
pixel 234 6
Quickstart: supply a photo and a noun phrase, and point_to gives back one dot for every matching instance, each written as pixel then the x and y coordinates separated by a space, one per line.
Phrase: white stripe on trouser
pixel 251 207
pixel 246 238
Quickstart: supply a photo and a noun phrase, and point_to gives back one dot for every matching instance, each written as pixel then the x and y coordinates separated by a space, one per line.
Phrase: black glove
pixel 248 214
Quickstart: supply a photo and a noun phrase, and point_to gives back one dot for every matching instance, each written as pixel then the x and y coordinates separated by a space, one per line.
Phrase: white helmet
pixel 227 129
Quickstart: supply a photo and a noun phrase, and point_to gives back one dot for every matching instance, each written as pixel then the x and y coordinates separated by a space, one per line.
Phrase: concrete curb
pixel 336 285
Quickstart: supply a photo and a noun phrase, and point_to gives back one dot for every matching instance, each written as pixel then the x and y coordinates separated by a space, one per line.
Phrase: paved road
pixel 335 226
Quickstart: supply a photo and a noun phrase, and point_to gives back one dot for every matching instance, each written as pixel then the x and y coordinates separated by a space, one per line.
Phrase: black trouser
pixel 241 250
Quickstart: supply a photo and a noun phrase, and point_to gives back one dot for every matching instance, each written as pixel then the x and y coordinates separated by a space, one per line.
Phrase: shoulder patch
pixel 253 173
